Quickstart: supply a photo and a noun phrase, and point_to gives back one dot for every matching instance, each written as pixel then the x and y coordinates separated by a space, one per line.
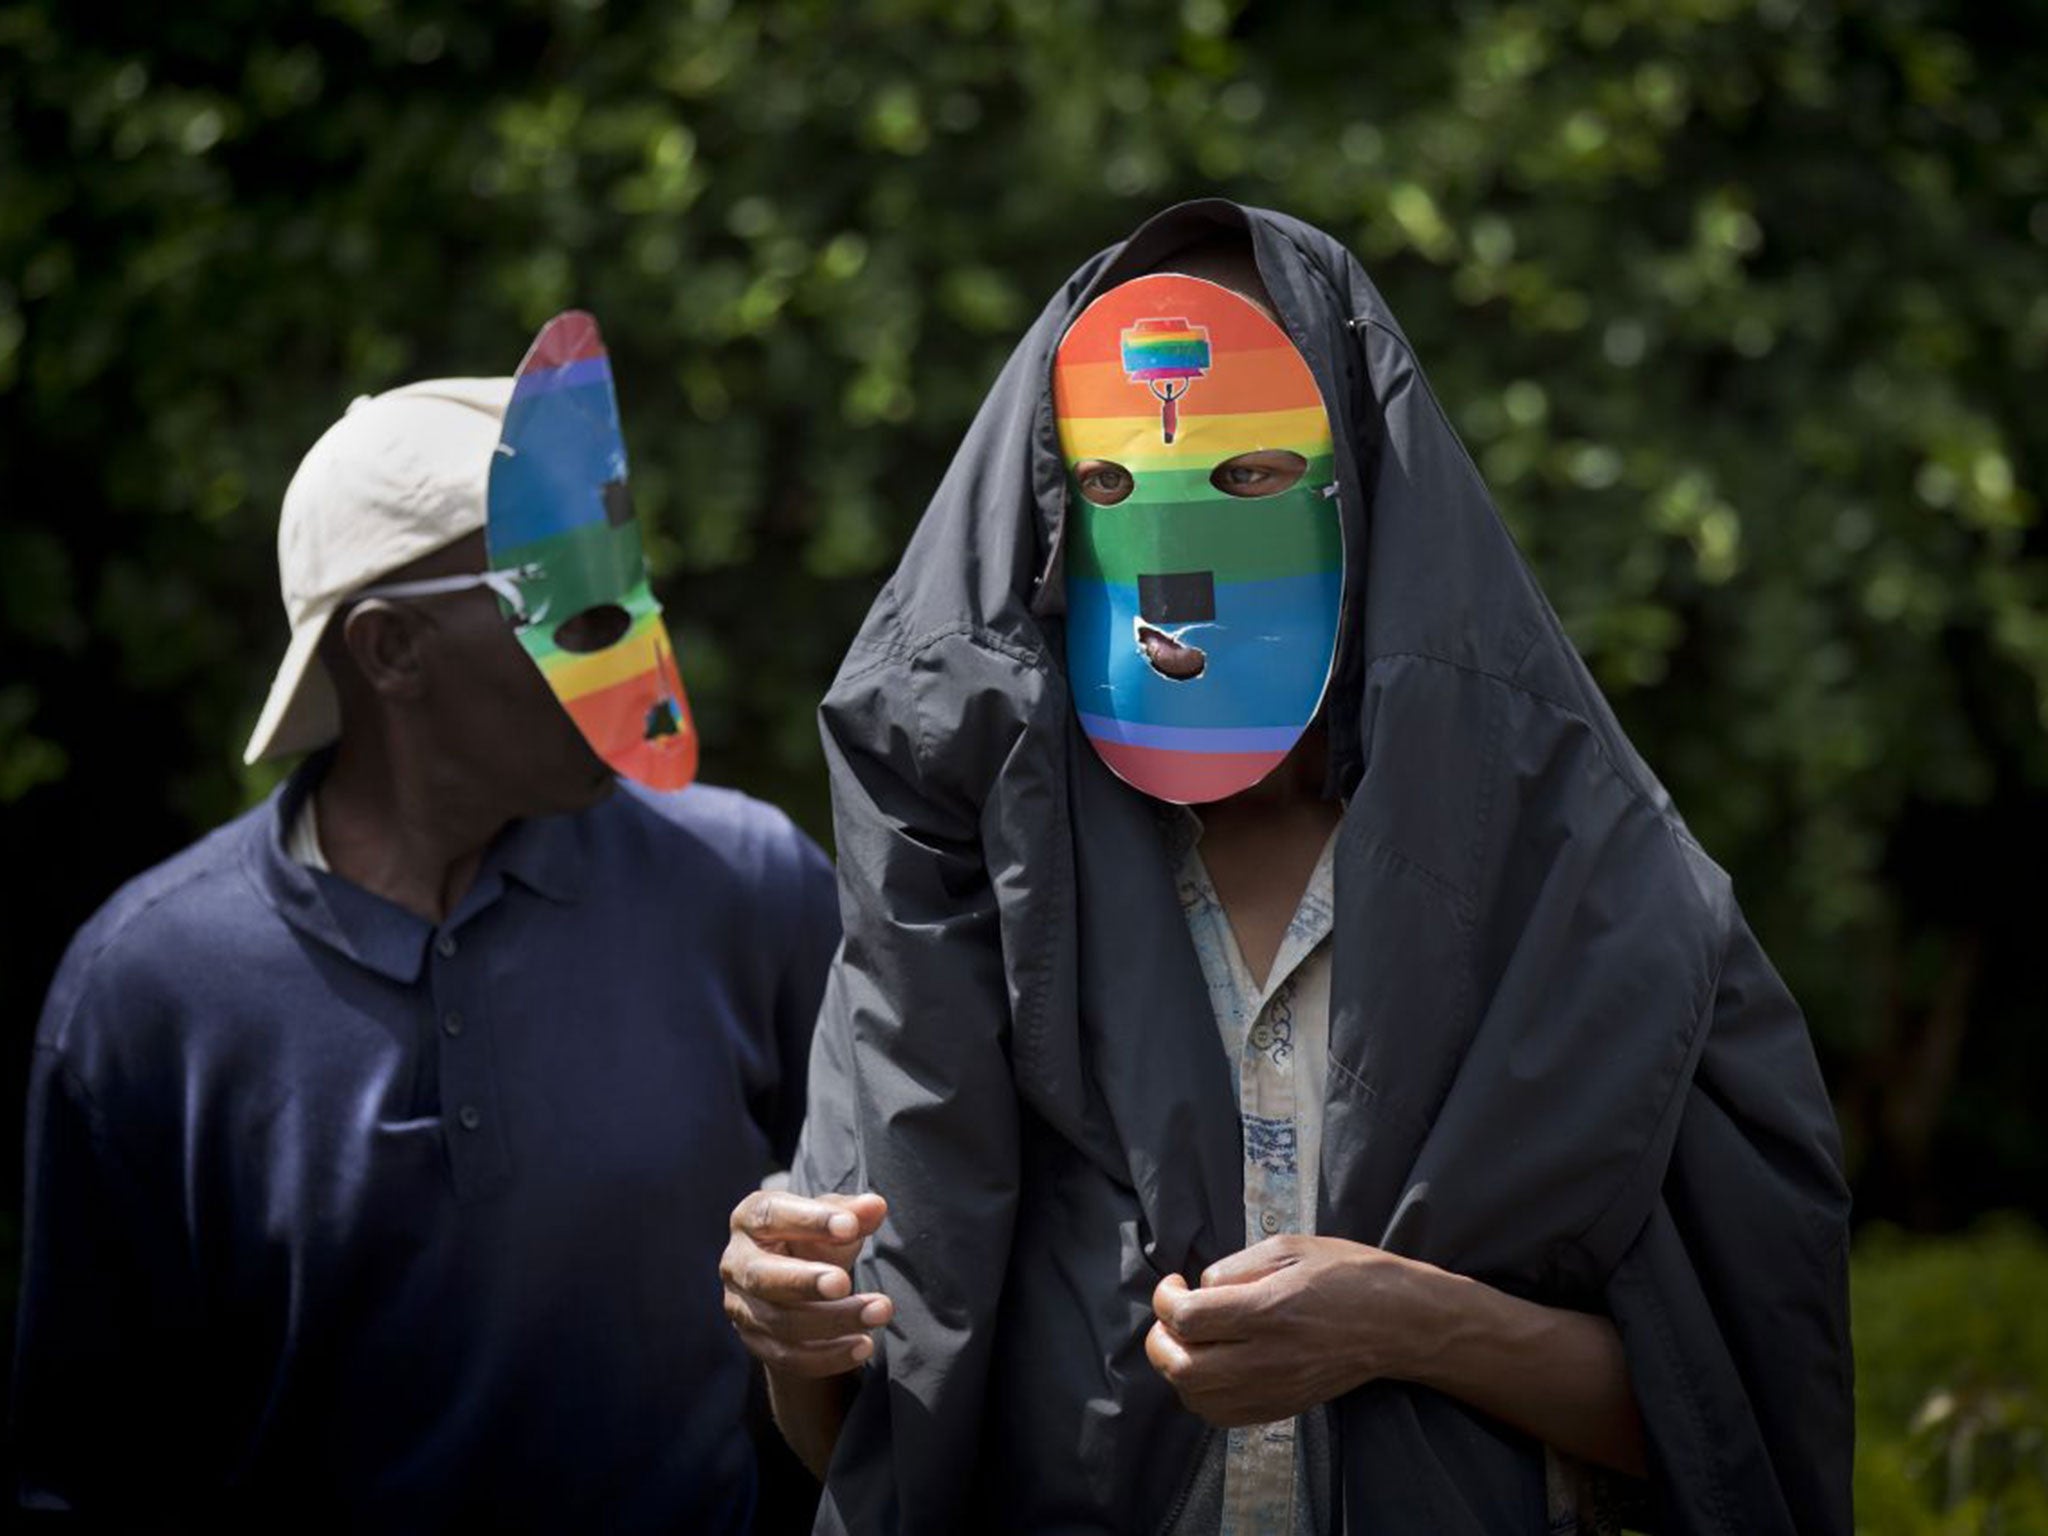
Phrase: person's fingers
pixel 841 1256
pixel 1211 1380
pixel 776 1216
pixel 828 1357
pixel 808 1322
pixel 804 1336
pixel 749 1268
pixel 1169 1357
pixel 1205 1316
pixel 1166 1295
pixel 867 1208
pixel 1253 1263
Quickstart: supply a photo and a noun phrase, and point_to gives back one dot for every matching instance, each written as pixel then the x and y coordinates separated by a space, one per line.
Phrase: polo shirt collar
pixel 545 854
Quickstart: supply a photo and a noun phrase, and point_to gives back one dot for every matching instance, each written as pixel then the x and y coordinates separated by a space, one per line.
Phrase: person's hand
pixel 1286 1324
pixel 788 1272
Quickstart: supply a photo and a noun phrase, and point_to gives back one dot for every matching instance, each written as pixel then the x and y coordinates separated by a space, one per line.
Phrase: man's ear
pixel 387 642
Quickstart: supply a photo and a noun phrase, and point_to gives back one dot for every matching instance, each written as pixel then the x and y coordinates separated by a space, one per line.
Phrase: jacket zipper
pixel 1187 1486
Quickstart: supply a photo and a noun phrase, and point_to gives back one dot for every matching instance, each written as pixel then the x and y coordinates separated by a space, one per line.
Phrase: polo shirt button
pixel 470 1116
pixel 444 946
pixel 1269 1222
pixel 452 1024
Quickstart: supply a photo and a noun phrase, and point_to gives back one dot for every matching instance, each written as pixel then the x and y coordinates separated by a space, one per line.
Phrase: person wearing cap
pixel 381 1143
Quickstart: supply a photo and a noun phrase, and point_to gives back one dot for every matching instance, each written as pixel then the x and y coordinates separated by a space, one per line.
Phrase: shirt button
pixel 444 946
pixel 1269 1222
pixel 470 1116
pixel 452 1024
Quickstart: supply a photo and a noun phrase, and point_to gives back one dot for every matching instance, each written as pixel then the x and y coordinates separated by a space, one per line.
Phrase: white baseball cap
pixel 401 475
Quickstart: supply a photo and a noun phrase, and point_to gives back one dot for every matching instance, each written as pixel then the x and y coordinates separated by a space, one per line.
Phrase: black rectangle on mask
pixel 1177 597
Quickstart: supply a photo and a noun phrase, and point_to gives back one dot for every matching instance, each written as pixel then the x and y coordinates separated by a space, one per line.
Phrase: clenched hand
pixel 788 1272
pixel 1284 1325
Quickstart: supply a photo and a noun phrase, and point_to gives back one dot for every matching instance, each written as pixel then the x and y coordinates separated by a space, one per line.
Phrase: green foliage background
pixel 1952 1382
pixel 1739 306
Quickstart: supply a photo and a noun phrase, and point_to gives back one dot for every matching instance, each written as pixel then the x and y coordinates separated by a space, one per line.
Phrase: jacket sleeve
pixel 911 1077
pixel 807 912
pixel 1733 1301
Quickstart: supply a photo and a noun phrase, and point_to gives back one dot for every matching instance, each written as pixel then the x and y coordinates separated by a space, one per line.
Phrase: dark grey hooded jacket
pixel 1559 1061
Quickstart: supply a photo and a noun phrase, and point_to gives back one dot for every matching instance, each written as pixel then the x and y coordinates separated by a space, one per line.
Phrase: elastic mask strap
pixel 504 583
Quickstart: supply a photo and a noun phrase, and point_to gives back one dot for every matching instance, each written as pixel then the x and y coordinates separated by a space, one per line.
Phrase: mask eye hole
pixel 1103 482
pixel 1262 472
pixel 594 629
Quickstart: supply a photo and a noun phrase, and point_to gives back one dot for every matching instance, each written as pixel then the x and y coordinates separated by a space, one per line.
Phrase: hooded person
pixel 1559 1070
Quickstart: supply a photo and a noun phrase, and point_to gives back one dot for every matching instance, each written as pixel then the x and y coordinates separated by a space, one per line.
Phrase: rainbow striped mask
pixel 1203 598
pixel 561 524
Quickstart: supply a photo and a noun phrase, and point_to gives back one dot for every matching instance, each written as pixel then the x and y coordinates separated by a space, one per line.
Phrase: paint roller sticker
pixel 1167 356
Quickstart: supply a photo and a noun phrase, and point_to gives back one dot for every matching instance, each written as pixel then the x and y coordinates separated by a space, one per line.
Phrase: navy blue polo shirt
pixel 339 1218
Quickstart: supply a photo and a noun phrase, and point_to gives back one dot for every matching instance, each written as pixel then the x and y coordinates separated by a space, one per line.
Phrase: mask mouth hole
pixel 1172 659
pixel 594 629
